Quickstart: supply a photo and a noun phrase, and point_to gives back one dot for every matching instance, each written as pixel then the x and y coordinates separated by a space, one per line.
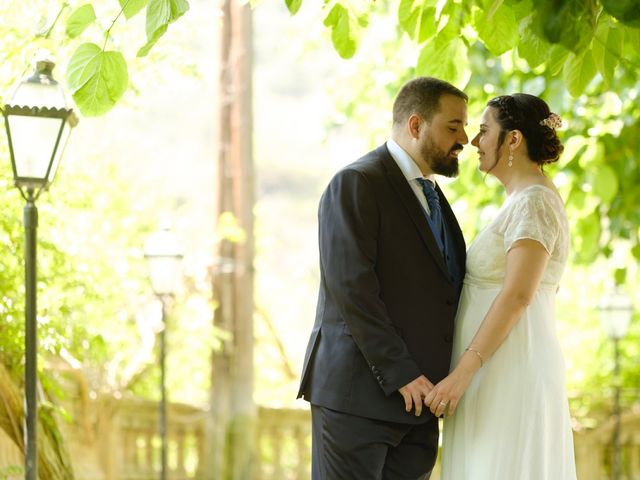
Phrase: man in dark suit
pixel 391 263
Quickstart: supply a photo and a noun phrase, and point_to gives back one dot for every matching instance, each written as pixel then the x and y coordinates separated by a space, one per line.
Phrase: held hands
pixel 414 393
pixel 448 392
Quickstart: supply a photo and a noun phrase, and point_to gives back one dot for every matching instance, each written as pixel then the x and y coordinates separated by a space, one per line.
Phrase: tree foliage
pixel 581 56
pixel 97 69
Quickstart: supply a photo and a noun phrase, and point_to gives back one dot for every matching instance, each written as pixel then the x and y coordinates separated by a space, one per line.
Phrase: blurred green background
pixel 323 84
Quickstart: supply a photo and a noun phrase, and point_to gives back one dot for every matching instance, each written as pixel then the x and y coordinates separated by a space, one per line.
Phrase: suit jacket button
pixel 448 338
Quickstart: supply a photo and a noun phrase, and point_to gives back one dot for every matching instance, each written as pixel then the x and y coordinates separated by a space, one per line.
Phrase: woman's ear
pixel 516 139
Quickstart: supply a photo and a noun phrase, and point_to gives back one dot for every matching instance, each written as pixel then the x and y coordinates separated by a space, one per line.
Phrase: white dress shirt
pixel 410 171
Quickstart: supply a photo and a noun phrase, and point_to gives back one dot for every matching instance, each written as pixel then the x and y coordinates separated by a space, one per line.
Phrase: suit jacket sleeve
pixel 349 219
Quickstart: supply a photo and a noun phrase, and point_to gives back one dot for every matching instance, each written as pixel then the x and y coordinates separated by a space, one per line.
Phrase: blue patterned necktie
pixel 428 188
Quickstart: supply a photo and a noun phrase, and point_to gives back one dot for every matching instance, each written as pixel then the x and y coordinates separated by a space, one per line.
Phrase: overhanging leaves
pixel 132 7
pixel 497 28
pixel 445 57
pixel 626 11
pixel 161 13
pixel 607 45
pixel 293 6
pixel 80 19
pixel 342 30
pixel 532 48
pixel 97 79
pixel 578 71
pixel 418 19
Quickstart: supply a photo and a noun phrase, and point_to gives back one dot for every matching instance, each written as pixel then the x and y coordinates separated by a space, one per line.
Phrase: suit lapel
pixel 411 204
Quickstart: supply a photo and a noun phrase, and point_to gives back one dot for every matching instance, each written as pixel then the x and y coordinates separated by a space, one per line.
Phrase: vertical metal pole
pixel 616 411
pixel 163 395
pixel 30 220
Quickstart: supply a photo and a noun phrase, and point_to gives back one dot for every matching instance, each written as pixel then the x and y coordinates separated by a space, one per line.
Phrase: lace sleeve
pixel 532 216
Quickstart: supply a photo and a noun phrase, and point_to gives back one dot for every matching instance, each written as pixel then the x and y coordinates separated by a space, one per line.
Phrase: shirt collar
pixel 406 164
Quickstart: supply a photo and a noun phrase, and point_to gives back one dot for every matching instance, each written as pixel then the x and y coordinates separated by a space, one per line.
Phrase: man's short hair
pixel 422 96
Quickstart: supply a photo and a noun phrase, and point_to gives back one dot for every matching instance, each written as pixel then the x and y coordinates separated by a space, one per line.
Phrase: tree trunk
pixel 233 410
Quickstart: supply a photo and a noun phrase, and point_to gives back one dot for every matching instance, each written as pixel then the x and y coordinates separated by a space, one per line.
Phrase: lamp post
pixel 616 311
pixel 163 253
pixel 38 122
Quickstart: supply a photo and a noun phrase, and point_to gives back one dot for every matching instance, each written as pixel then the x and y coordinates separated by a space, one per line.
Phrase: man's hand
pixel 414 393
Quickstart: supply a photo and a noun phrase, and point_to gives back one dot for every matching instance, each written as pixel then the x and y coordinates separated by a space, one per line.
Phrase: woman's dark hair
pixel 524 112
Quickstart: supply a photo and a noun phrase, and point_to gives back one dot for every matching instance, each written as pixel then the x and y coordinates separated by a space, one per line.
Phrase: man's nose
pixel 463 138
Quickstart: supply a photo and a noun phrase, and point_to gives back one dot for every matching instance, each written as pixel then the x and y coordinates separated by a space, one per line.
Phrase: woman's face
pixel 486 141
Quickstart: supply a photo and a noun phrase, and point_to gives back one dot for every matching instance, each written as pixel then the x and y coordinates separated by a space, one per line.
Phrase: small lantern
pixel 163 252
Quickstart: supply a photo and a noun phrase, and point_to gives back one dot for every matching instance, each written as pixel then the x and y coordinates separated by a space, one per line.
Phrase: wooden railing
pixel 120 442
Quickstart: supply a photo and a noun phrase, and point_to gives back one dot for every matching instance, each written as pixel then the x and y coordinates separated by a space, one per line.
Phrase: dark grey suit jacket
pixel 387 303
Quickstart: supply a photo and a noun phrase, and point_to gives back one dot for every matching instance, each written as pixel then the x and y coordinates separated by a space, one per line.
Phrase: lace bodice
pixel 537 213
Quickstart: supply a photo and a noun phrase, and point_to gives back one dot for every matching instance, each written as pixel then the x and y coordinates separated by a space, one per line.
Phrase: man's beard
pixel 440 162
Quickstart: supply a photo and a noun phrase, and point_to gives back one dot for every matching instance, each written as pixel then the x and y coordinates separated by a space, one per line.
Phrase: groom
pixel 391 262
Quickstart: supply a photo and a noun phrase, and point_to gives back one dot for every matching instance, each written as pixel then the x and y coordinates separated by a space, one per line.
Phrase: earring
pixel 510 163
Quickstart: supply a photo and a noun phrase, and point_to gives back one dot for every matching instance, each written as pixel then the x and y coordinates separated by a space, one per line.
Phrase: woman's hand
pixel 448 392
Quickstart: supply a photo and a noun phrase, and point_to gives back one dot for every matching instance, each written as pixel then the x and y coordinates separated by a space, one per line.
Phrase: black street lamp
pixel 616 311
pixel 38 122
pixel 163 253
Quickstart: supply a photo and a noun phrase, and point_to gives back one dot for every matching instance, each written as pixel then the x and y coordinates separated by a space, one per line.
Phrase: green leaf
pixel 132 7
pixel 578 71
pixel 607 46
pixel 419 21
pixel 497 28
pixel 293 6
pixel 620 276
pixel 342 34
pixel 588 238
pixel 557 58
pixel 446 58
pixel 567 22
pixel 178 8
pixel 534 49
pixel 605 183
pixel 626 11
pixel 97 79
pixel 80 19
pixel 593 155
pixel 408 17
pixel 572 147
pixel 81 68
pixel 160 13
pixel 144 50
pixel 492 8
pixel 158 16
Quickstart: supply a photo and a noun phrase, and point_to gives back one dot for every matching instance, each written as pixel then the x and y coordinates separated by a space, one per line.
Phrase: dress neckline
pixel 528 187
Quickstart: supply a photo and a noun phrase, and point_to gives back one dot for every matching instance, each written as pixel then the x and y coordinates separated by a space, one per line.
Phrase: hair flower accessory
pixel 552 121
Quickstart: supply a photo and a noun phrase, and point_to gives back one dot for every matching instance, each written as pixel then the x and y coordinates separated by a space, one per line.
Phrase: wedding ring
pixel 444 404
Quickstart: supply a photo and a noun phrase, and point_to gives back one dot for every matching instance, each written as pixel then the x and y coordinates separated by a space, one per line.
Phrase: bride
pixel 505 401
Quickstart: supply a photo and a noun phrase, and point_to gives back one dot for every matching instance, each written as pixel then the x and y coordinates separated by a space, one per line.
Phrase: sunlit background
pixel 153 158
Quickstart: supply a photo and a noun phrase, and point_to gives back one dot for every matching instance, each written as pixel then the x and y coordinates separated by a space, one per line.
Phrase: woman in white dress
pixel 505 405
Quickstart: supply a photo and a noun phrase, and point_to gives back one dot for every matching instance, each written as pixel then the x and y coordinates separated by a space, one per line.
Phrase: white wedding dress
pixel 513 421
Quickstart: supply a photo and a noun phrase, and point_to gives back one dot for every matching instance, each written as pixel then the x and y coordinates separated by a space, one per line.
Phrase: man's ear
pixel 414 124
